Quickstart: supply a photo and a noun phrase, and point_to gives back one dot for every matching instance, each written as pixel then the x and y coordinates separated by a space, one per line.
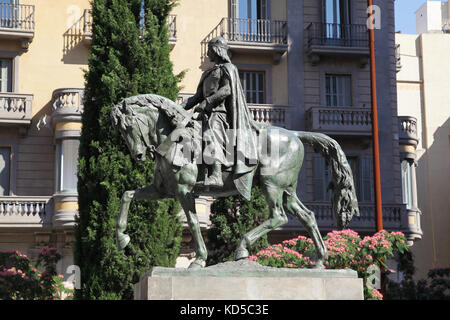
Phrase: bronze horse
pixel 146 122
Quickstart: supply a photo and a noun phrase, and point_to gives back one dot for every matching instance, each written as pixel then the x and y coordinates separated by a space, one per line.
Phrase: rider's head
pixel 218 50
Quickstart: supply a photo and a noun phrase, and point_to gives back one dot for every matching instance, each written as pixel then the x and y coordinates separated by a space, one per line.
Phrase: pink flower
pixel 376 294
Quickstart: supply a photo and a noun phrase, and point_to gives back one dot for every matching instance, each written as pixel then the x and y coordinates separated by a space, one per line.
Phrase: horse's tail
pixel 344 201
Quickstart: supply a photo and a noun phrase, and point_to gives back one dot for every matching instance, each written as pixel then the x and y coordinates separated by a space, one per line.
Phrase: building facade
pixel 304 65
pixel 424 107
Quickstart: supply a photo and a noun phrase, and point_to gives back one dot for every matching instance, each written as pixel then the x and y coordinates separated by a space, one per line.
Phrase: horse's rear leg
pixel 297 209
pixel 274 198
pixel 147 193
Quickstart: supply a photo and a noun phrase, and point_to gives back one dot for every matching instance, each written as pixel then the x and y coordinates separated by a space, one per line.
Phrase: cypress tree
pixel 231 218
pixel 126 58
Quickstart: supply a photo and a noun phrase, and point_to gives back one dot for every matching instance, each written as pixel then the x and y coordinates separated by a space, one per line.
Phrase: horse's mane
pixel 137 103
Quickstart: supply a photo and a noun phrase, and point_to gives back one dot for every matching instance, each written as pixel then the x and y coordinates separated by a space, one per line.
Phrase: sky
pixel 405 16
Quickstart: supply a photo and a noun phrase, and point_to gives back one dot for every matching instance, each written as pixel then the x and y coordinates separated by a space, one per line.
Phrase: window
pixel 337 20
pixel 254 84
pixel 5 75
pixel 362 176
pixel 338 90
pixel 67 171
pixel 406 184
pixel 244 26
pixel 336 11
pixel 251 9
pixel 5 171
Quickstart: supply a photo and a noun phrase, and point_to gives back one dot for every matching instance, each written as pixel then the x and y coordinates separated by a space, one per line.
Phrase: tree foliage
pixel 127 57
pixel 231 218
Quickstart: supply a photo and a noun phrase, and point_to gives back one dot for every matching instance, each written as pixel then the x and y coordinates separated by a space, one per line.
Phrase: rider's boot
pixel 215 179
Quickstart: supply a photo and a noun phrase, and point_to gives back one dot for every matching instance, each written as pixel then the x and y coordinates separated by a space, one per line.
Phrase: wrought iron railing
pixel 394 216
pixel 339 35
pixel 87 22
pixel 87 25
pixel 17 16
pixel 249 31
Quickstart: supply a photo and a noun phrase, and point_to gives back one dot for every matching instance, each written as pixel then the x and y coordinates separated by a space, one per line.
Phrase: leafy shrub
pixel 19 280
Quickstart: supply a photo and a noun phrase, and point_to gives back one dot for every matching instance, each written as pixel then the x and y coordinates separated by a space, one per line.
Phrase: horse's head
pixel 134 127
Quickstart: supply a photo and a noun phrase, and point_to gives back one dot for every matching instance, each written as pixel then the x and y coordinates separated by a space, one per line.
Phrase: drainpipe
pixel 375 144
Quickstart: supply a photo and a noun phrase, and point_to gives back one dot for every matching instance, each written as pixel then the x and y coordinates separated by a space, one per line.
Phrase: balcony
pixel 408 131
pixel 25 212
pixel 67 105
pixel 172 25
pixel 87 27
pixel 331 39
pixel 15 109
pixel 17 22
pixel 251 36
pixel 395 218
pixel 340 120
pixel 271 114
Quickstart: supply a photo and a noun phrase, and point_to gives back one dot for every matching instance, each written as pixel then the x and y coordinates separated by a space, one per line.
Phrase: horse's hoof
pixel 196 264
pixel 241 253
pixel 319 265
pixel 122 241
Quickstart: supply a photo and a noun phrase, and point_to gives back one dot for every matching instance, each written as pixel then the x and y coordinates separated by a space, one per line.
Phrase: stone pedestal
pixel 248 280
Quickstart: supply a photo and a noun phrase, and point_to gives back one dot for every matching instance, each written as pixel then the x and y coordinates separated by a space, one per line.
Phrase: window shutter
pixel 366 179
pixel 319 178
pixel 234 9
pixel 5 171
pixel 262 10
pixel 6 75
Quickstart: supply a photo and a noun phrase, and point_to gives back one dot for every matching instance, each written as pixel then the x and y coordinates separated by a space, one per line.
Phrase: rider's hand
pixel 201 107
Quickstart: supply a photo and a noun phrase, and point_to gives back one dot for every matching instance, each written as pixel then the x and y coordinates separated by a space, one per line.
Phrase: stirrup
pixel 213 182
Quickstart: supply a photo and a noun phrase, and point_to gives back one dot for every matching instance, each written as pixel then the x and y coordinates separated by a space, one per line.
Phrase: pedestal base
pixel 247 280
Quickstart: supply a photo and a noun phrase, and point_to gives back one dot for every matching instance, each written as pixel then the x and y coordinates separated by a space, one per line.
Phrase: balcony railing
pixel 331 39
pixel 264 113
pixel 270 114
pixel 394 217
pixel 17 22
pixel 337 35
pixel 251 35
pixel 87 27
pixel 15 108
pixel 17 16
pixel 24 211
pixel 68 98
pixel 87 24
pixel 408 130
pixel 172 24
pixel 339 120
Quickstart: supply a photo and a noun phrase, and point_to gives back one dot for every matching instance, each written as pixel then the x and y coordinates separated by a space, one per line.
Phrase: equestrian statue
pixel 219 150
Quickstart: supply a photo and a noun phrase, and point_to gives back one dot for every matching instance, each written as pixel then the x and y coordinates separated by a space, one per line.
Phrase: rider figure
pixel 227 121
pixel 211 94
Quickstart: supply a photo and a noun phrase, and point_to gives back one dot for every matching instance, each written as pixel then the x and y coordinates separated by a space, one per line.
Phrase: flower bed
pixel 346 249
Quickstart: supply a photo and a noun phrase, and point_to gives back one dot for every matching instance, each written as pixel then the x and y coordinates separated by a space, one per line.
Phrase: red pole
pixel 376 148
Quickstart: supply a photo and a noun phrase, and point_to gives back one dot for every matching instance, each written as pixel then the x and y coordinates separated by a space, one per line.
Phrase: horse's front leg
pixel 147 193
pixel 187 201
